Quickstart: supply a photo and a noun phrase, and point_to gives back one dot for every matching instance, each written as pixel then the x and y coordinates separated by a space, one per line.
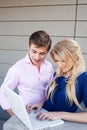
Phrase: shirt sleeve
pixel 10 81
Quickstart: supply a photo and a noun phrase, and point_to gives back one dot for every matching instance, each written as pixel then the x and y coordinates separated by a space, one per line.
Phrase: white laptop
pixel 29 120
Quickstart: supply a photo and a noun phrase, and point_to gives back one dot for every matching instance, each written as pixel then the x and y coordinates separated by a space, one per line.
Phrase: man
pixel 30 75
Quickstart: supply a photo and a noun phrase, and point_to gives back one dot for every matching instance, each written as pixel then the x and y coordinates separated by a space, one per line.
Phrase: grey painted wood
pixel 82 9
pixel 10 57
pixel 32 3
pixel 38 13
pixel 54 28
pixel 81 29
pixel 82 1
pixel 14 42
pixel 61 19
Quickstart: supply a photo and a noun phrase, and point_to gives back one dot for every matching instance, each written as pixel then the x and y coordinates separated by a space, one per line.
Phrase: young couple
pixel 61 92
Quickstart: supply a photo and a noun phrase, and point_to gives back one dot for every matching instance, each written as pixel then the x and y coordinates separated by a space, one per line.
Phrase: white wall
pixel 19 18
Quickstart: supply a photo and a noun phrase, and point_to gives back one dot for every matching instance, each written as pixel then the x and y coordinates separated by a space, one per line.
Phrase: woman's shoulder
pixel 83 75
pixel 82 81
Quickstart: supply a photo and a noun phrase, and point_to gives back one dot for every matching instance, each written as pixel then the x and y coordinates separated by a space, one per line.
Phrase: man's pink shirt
pixel 31 83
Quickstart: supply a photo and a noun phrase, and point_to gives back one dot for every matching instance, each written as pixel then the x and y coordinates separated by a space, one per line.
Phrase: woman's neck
pixel 67 74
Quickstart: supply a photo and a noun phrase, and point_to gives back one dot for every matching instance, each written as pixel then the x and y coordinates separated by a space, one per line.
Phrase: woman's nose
pixel 59 64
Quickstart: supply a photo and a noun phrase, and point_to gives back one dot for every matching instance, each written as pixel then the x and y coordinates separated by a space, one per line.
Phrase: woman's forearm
pixel 76 117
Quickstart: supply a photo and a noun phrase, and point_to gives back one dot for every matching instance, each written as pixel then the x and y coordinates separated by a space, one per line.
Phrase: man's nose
pixel 37 57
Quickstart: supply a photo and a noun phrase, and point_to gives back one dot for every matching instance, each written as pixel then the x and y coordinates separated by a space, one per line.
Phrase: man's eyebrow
pixel 33 50
pixel 42 52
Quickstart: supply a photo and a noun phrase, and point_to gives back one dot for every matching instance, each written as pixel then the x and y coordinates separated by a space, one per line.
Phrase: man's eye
pixel 34 51
pixel 42 54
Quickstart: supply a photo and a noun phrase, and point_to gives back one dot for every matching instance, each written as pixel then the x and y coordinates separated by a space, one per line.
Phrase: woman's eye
pixel 63 61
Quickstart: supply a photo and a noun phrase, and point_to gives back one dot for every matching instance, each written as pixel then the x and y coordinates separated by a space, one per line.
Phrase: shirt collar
pixel 27 59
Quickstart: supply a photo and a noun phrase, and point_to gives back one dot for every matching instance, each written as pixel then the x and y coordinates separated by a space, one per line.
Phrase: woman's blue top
pixel 60 101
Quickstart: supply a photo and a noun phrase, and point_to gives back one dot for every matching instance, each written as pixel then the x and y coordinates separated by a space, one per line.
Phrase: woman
pixel 69 86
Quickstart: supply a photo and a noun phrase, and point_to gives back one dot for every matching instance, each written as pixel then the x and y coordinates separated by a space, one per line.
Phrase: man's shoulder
pixel 18 64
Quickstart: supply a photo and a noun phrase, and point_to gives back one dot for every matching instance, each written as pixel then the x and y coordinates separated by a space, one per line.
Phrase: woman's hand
pixel 49 116
pixel 35 107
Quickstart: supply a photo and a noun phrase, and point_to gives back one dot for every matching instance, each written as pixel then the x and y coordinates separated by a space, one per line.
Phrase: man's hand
pixel 10 112
pixel 35 107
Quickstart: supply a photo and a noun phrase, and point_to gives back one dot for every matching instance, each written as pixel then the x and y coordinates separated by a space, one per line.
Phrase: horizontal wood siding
pixel 18 19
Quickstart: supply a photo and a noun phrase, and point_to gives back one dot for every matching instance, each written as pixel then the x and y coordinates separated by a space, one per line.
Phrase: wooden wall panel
pixel 14 42
pixel 19 3
pixel 10 57
pixel 3 69
pixel 18 19
pixel 38 13
pixel 82 12
pixel 81 29
pixel 54 28
pixel 82 1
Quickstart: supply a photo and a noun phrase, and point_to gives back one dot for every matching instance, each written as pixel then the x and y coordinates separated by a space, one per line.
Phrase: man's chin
pixel 36 63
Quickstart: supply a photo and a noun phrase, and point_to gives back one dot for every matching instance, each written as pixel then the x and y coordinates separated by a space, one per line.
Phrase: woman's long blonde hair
pixel 64 49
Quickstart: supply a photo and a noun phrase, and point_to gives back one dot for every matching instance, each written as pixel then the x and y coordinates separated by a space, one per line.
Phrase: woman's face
pixel 65 65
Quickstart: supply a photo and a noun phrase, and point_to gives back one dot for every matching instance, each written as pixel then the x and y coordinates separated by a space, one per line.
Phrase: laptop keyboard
pixel 40 125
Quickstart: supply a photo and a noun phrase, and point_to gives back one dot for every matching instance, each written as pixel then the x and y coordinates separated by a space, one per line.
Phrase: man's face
pixel 37 54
